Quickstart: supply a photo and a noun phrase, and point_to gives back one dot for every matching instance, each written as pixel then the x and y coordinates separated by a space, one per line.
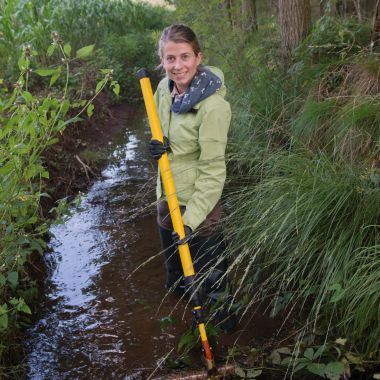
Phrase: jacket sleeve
pixel 211 168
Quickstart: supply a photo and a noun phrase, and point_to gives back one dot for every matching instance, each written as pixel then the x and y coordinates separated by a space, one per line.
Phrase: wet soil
pixel 104 305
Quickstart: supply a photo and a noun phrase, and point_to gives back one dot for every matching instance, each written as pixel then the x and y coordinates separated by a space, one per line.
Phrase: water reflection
pixel 93 321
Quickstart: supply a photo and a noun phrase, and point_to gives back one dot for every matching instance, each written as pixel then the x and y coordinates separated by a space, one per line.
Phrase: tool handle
pixel 166 174
pixel 175 213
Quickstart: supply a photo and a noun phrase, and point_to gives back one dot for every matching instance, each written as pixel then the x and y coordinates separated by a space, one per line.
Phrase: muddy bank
pixel 81 152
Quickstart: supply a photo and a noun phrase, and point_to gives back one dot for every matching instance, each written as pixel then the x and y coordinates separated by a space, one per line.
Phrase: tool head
pixel 143 73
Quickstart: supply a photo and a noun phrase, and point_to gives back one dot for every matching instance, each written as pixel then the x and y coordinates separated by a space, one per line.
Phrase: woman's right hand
pixel 186 239
pixel 157 148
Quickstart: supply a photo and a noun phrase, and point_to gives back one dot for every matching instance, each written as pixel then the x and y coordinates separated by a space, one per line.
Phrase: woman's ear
pixel 199 58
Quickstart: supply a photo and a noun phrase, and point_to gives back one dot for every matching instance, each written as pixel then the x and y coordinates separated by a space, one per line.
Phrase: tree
pixel 242 15
pixel 248 16
pixel 376 27
pixel 295 24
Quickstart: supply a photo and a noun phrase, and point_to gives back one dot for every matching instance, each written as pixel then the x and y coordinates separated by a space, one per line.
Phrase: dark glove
pixel 178 241
pixel 157 148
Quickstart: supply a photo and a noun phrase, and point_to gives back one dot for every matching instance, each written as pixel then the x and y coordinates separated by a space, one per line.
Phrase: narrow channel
pixel 100 317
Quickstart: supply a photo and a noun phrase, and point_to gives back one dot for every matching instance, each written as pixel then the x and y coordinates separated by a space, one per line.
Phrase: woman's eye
pixel 170 59
pixel 185 57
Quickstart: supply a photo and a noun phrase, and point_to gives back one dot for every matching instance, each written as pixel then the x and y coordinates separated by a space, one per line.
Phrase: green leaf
pixel 338 293
pixel 85 51
pixel 3 309
pixel 116 89
pixel 67 49
pixel 187 340
pixel 317 369
pixel 45 72
pixel 13 301
pixel 9 229
pixel 287 360
pixel 55 76
pixel 284 350
pixel 13 278
pixel 90 110
pixel 319 352
pixel 309 353
pixel 70 121
pixel 301 363
pixel 3 280
pixel 51 50
pixel 3 321
pixel 334 370
pixel 240 372
pixel 22 306
pixel 100 85
pixel 253 373
pixel 27 96
pixel 275 357
pixel 65 107
pixel 352 358
pixel 22 64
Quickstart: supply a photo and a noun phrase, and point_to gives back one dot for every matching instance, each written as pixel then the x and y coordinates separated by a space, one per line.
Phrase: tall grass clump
pixel 303 197
pixel 302 226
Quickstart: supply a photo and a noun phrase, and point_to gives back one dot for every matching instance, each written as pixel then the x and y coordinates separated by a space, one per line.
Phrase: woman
pixel 195 119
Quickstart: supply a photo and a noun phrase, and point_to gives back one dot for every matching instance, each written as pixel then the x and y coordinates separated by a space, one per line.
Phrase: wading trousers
pixel 210 264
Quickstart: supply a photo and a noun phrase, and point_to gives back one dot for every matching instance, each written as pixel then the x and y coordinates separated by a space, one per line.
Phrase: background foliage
pixel 55 59
pixel 303 196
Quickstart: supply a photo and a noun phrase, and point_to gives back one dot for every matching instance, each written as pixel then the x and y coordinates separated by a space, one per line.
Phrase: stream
pixel 98 318
pixel 105 313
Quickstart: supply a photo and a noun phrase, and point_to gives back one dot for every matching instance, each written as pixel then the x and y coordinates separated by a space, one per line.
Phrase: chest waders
pixel 175 214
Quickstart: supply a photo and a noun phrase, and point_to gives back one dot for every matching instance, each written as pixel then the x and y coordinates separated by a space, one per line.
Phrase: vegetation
pixel 304 197
pixel 303 201
pixel 53 56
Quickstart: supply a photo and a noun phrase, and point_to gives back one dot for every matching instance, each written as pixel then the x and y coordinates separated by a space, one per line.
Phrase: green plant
pixel 30 125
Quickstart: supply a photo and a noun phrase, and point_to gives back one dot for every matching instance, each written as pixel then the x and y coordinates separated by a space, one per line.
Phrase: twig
pixel 86 168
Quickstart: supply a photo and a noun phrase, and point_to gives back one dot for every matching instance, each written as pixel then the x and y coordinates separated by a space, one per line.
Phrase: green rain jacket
pixel 197 158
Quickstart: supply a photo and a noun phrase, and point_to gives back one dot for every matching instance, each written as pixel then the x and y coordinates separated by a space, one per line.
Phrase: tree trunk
pixel 358 9
pixel 322 7
pixel 295 24
pixel 248 16
pixel 230 10
pixel 376 27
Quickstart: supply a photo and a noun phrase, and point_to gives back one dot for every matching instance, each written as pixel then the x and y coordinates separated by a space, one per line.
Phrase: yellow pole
pixel 175 213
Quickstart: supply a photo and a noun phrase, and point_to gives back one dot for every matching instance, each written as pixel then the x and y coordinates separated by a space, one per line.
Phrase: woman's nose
pixel 177 64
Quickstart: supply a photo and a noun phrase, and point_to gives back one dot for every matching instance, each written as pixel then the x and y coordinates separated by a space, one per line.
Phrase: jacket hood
pixel 205 83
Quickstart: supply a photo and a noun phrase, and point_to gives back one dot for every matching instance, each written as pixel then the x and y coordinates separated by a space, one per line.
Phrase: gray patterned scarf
pixel 204 84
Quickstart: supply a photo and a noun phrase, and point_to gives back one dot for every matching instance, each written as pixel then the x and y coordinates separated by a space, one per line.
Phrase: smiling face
pixel 180 63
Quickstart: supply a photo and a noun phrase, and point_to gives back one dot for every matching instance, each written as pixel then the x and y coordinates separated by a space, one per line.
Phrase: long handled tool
pixel 175 213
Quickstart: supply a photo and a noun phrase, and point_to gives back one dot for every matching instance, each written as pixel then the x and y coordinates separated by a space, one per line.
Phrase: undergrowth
pixel 303 195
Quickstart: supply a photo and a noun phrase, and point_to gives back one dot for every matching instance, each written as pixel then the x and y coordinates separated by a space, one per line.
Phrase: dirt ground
pixel 78 158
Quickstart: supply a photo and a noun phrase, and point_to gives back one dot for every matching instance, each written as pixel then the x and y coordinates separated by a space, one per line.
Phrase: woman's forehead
pixel 177 48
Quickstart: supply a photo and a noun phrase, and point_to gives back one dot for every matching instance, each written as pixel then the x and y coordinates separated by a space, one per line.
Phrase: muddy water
pixel 98 319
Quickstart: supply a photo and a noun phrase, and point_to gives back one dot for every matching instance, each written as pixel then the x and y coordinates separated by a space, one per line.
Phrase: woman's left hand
pixel 157 148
